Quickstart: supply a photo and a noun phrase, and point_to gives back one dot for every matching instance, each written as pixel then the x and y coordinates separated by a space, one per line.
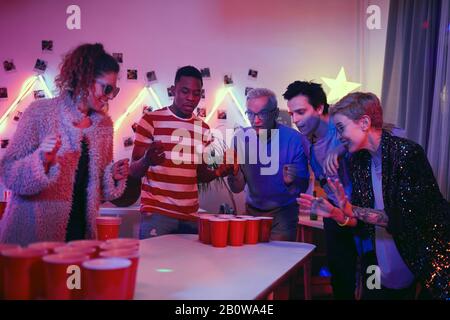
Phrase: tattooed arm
pixel 367 215
pixel 371 216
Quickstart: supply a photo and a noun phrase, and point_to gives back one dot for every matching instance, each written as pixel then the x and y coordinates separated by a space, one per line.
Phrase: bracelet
pixel 347 219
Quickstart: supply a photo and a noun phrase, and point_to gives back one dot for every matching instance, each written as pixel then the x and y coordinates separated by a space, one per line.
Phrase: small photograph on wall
pixel 9 66
pixel 206 73
pixel 4 143
pixel 203 94
pixel 228 79
pixel 252 73
pixel 132 74
pixel 147 109
pixel 151 76
pixel 170 92
pixel 17 116
pixel 3 93
pixel 201 112
pixel 247 89
pixel 39 94
pixel 40 65
pixel 128 142
pixel 118 57
pixel 221 114
pixel 134 126
pixel 47 45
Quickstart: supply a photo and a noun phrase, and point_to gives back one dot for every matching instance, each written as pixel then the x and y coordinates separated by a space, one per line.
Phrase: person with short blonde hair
pixel 354 106
pixel 395 194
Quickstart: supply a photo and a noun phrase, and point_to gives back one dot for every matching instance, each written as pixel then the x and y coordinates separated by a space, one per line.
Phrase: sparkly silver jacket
pixel 418 214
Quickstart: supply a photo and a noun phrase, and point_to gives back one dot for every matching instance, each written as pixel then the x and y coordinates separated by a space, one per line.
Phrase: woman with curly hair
pixel 59 163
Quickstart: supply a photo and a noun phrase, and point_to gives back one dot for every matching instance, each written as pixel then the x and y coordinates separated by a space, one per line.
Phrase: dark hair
pixel 313 91
pixel 358 104
pixel 188 71
pixel 81 66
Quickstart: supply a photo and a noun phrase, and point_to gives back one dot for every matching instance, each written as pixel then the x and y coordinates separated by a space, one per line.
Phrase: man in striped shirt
pixel 168 155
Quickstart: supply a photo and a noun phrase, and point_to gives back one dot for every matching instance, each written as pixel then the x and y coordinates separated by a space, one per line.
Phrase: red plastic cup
pixel 119 243
pixel 265 228
pixel 124 241
pixel 133 256
pixel 219 232
pixel 236 234
pixel 90 251
pixel 2 208
pixel 47 245
pixel 106 278
pixel 57 275
pixel 252 230
pixel 204 229
pixel 224 216
pixel 4 246
pixel 23 273
pixel 241 216
pixel 86 244
pixel 108 227
pixel 117 246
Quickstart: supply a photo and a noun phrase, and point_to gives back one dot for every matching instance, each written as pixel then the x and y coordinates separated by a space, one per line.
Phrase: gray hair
pixel 263 92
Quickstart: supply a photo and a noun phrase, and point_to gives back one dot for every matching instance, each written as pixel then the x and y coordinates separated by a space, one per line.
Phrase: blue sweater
pixel 265 188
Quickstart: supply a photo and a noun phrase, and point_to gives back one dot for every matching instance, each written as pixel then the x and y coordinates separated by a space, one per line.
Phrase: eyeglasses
pixel 263 115
pixel 109 89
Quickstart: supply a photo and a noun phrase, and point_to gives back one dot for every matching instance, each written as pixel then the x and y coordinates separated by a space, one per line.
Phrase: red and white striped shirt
pixel 171 188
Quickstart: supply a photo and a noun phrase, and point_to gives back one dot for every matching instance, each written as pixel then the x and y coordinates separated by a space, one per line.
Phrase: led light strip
pixel 138 100
pixel 155 97
pixel 44 85
pixel 24 92
pixel 219 99
pixel 240 108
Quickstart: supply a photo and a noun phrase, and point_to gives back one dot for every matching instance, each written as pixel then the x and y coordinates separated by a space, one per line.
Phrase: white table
pixel 195 271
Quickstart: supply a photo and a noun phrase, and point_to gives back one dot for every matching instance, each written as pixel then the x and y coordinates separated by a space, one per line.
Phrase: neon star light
pixel 136 102
pixel 221 94
pixel 24 92
pixel 339 87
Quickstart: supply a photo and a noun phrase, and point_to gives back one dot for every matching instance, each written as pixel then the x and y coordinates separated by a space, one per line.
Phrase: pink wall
pixel 284 40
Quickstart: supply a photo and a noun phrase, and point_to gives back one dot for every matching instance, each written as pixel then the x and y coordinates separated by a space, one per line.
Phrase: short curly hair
pixel 81 66
pixel 313 91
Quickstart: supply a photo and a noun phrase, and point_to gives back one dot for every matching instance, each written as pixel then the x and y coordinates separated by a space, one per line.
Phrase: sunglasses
pixel 109 89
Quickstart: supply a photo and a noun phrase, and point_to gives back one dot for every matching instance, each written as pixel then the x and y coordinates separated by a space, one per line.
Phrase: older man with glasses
pixel 273 165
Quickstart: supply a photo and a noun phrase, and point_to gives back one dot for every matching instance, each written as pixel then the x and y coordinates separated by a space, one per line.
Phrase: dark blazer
pixel 418 214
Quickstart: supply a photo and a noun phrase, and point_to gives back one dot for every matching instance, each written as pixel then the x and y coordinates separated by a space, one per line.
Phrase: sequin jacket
pixel 418 213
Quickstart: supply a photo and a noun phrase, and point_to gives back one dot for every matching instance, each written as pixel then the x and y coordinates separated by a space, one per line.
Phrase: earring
pixel 105 108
